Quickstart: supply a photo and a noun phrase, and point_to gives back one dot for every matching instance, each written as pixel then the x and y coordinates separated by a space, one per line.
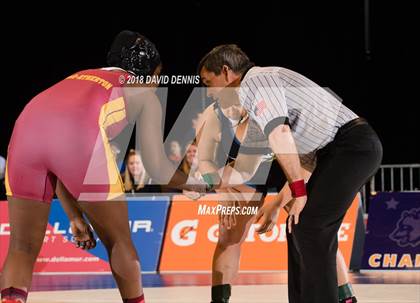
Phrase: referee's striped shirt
pixel 275 95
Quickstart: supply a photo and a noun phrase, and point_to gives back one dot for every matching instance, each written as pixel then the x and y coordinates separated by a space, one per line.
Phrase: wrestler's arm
pixel 68 202
pixel 246 165
pixel 82 233
pixel 207 132
pixel 149 134
pixel 208 128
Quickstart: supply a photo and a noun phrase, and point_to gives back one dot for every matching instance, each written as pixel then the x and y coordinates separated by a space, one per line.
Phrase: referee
pixel 299 118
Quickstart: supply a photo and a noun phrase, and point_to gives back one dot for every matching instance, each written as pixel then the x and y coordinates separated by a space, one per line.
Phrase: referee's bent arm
pixel 282 143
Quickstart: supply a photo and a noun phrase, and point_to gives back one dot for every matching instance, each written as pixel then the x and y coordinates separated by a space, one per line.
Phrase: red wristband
pixel 298 188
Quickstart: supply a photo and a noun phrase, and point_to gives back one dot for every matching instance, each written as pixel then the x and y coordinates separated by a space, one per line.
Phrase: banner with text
pixel 147 218
pixel 393 232
pixel 192 235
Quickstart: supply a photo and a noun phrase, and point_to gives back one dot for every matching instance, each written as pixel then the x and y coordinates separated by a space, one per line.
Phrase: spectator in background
pixel 2 167
pixel 175 152
pixel 189 165
pixel 2 173
pixel 135 177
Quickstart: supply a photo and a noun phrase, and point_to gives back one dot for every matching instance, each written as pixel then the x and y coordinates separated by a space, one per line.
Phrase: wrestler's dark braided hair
pixel 134 53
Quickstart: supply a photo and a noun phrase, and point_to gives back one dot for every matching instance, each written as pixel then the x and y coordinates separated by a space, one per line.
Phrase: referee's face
pixel 215 83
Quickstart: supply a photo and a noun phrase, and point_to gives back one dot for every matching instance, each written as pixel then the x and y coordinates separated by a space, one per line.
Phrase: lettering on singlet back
pixel 105 84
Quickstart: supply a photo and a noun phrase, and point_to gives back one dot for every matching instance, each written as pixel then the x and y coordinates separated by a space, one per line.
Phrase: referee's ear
pixel 228 74
pixel 225 72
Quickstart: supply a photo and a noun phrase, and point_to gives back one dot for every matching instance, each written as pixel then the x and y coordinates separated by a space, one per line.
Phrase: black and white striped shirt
pixel 275 95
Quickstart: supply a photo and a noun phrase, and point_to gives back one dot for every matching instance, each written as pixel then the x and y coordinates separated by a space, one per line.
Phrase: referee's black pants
pixel 343 167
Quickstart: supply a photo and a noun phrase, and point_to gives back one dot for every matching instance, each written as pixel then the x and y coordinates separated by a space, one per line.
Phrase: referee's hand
pixel 297 205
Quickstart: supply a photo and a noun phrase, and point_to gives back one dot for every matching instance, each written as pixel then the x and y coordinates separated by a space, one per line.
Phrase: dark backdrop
pixel 324 41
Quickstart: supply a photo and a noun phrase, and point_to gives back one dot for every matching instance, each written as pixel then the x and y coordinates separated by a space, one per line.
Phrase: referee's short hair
pixel 226 54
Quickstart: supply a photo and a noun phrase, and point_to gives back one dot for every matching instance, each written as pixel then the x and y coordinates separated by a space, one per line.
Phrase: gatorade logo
pixel 184 232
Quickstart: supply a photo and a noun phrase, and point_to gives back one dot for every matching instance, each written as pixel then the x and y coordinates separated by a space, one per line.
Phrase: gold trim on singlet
pixel 112 112
pixel 6 178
